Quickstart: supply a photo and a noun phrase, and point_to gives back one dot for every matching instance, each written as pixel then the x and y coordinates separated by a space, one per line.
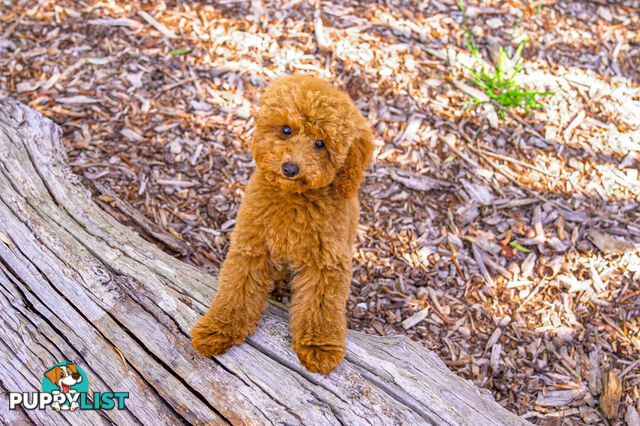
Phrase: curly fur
pixel 303 225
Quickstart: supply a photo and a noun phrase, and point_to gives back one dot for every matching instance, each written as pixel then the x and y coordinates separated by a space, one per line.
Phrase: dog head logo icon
pixel 65 378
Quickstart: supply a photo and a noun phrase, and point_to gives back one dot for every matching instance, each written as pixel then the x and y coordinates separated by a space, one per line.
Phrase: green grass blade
pixel 177 52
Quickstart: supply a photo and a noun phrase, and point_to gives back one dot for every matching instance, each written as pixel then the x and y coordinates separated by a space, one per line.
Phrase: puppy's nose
pixel 75 376
pixel 290 170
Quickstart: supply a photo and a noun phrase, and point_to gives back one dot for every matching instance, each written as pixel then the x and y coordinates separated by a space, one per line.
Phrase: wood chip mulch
pixel 510 248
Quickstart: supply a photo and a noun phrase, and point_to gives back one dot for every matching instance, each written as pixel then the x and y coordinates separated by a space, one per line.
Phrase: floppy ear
pixel 349 177
pixel 53 375
pixel 72 367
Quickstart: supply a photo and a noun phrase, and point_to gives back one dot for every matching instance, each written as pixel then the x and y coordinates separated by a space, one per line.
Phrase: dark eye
pixel 286 130
pixel 319 144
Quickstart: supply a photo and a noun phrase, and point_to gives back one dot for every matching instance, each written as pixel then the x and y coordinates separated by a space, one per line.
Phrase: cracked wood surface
pixel 77 285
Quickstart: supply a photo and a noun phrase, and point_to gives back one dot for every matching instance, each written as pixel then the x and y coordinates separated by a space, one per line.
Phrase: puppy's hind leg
pixel 244 285
pixel 318 322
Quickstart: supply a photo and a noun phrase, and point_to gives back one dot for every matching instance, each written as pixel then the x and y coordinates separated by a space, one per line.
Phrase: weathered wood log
pixel 76 285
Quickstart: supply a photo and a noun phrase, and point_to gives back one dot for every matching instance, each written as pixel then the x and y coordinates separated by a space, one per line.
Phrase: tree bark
pixel 76 285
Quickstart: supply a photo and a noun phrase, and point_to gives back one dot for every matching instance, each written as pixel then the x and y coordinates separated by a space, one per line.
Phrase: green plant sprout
pixel 497 82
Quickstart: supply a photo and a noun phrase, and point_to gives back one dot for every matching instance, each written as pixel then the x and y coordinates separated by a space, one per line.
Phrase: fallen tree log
pixel 76 285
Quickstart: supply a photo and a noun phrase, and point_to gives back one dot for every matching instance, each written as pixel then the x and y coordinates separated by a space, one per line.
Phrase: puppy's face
pixel 304 130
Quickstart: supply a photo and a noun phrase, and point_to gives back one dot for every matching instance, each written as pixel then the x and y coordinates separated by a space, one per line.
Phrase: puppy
pixel 299 215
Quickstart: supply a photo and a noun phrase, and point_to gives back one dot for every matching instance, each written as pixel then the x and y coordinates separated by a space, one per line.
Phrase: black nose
pixel 290 170
pixel 75 376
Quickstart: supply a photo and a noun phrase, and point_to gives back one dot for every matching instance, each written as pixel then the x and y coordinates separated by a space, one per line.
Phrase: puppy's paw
pixel 209 338
pixel 321 359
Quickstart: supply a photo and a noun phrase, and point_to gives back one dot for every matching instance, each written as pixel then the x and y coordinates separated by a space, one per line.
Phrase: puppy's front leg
pixel 244 285
pixel 318 322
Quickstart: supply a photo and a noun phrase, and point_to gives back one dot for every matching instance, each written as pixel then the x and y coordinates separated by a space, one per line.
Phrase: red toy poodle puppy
pixel 299 215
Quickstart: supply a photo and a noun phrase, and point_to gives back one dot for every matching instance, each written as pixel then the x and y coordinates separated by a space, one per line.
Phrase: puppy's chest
pixel 293 230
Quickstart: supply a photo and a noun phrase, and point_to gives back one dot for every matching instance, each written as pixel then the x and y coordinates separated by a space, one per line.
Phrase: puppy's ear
pixel 53 375
pixel 73 368
pixel 349 177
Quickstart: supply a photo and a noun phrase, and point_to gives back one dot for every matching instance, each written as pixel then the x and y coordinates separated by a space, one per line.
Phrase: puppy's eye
pixel 286 130
pixel 319 144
